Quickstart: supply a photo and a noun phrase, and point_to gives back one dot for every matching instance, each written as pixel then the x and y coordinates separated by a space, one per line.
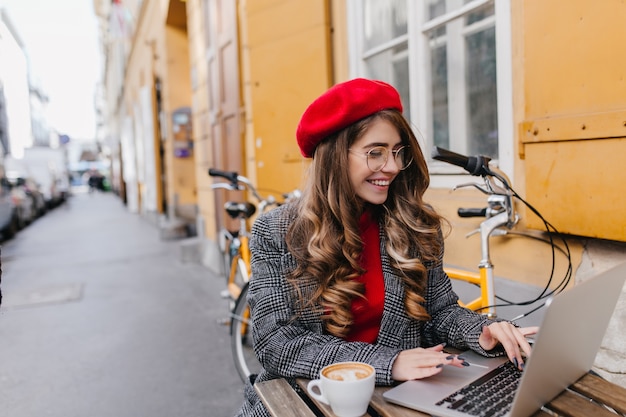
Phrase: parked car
pixel 34 192
pixel 47 167
pixel 25 207
pixel 8 211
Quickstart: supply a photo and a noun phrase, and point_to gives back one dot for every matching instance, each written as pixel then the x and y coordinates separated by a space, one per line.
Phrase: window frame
pixel 442 175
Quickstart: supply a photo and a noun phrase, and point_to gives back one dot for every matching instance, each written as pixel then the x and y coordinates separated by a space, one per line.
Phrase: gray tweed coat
pixel 294 349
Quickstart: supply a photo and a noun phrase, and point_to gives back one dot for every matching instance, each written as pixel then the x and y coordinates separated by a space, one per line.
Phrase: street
pixel 101 318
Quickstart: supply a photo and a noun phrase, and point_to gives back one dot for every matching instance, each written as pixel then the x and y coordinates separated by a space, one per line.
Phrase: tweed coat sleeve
pixel 451 323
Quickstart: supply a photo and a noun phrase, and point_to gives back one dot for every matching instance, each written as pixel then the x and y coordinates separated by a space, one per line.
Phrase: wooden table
pixel 589 396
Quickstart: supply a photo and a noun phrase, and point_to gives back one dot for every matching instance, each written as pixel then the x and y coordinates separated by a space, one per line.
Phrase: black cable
pixel 551 230
pixel 528 313
pixel 568 274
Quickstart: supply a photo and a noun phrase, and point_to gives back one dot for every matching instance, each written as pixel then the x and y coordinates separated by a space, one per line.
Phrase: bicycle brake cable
pixel 546 292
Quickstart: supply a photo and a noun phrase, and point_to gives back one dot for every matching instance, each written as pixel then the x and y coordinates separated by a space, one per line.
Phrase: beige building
pixel 537 86
pixel 147 107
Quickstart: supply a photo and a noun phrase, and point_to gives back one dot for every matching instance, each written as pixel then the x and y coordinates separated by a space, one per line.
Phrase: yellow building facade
pixel 148 107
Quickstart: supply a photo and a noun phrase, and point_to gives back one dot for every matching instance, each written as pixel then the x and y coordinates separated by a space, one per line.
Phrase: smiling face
pixel 373 187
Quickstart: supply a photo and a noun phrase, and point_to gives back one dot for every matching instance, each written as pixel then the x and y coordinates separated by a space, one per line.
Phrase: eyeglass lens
pixel 377 158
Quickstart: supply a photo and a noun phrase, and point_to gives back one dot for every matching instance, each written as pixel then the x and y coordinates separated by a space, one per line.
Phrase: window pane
pixel 392 66
pixel 435 8
pixel 439 76
pixel 482 93
pixel 400 80
pixel 383 21
pixel 479 14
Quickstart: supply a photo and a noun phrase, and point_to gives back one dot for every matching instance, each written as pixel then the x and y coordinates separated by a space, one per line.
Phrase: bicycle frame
pixel 239 263
pixel 485 278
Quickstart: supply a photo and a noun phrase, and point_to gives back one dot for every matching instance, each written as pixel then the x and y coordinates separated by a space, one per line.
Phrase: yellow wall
pixel 161 51
pixel 572 129
pixel 341 65
pixel 181 178
pixel 139 71
pixel 288 55
pixel 200 116
pixel 286 61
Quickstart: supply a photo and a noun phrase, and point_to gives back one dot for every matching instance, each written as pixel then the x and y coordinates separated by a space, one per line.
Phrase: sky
pixel 61 41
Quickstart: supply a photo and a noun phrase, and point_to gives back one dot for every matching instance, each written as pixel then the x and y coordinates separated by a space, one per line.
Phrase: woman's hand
pixel 421 363
pixel 512 339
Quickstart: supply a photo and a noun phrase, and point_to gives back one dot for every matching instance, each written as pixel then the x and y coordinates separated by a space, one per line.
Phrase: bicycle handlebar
pixel 500 195
pixel 475 165
pixel 472 212
pixel 239 182
pixel 229 175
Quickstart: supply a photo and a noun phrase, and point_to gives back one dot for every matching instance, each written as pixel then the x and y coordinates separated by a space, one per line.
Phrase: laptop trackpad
pixel 434 388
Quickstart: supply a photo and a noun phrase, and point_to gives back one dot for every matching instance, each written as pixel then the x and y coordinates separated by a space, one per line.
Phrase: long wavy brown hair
pixel 325 237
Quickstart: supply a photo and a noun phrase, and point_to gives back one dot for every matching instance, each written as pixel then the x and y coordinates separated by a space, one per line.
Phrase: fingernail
pixel 444 344
pixel 523 365
pixel 439 366
pixel 464 363
pixel 461 358
pixel 449 358
pixel 515 362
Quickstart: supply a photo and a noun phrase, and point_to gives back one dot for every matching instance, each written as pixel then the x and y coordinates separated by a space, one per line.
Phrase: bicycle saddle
pixel 236 210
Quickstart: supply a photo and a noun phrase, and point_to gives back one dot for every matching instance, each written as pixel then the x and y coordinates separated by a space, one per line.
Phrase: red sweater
pixel 367 313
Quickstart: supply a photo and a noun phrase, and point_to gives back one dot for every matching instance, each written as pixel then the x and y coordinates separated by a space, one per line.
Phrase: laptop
pixel 563 351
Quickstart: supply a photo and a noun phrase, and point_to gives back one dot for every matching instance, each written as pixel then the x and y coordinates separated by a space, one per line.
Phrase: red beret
pixel 340 106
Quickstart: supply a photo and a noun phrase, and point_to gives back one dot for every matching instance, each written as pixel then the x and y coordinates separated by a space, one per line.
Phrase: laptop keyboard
pixel 489 396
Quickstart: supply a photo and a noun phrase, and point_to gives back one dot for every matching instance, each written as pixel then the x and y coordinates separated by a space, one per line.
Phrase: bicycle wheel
pixel 244 357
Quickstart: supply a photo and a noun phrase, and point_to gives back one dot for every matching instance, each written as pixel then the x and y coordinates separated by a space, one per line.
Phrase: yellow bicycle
pixel 234 246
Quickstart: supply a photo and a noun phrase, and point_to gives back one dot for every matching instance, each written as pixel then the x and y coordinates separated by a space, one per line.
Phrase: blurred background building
pixel 37 163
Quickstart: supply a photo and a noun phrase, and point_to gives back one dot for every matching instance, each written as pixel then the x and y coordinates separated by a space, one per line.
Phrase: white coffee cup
pixel 346 386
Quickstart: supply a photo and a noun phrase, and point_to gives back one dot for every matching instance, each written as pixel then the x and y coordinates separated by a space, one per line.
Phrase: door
pixel 224 95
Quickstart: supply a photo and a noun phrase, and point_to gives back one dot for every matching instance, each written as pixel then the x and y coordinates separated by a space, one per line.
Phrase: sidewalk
pixel 101 318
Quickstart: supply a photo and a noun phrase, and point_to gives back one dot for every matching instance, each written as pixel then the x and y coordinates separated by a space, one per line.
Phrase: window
pixel 450 61
pixel 385 53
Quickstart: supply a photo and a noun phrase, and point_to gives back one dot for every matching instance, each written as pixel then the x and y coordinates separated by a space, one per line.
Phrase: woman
pixel 353 270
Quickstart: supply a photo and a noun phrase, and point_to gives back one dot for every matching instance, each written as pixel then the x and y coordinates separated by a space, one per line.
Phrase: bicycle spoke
pixel 242 319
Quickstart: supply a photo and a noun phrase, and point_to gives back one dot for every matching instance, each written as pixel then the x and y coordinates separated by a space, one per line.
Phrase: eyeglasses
pixel 377 157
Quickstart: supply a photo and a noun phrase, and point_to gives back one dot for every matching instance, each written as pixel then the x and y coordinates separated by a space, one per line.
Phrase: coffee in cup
pixel 347 371
pixel 346 386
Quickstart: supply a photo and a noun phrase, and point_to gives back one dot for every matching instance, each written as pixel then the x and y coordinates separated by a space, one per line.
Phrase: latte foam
pixel 347 372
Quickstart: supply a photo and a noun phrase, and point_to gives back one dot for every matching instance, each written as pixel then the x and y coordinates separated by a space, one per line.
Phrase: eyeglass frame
pixel 385 152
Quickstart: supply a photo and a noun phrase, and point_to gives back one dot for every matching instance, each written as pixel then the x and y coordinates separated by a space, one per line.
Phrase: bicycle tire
pixel 245 360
